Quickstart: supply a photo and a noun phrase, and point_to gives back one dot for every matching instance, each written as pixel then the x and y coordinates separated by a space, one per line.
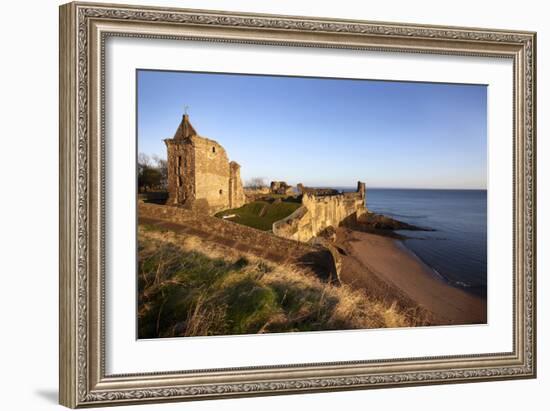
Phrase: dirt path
pixel 388 260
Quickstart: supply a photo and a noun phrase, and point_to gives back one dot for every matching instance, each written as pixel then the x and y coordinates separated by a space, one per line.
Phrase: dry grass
pixel 189 287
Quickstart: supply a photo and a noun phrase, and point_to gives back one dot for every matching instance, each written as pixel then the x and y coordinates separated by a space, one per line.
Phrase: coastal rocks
pixel 380 224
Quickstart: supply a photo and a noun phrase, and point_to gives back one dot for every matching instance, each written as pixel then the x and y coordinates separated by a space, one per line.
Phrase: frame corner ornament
pixel 84 381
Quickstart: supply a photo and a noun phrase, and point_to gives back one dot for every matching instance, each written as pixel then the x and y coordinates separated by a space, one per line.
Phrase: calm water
pixel 457 250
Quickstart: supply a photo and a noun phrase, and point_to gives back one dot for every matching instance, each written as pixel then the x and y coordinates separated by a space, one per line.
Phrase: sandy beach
pixel 384 265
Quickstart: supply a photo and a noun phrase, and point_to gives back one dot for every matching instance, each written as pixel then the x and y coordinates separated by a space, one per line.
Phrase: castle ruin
pixel 200 176
pixel 280 187
pixel 320 211
pixel 316 191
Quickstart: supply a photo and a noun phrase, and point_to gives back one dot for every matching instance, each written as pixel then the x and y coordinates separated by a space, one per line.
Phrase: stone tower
pixel 200 176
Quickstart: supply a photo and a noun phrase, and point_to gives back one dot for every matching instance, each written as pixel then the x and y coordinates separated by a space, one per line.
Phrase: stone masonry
pixel 319 212
pixel 280 187
pixel 200 176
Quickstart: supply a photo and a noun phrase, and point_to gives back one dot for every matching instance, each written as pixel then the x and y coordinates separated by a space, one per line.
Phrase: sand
pixel 387 259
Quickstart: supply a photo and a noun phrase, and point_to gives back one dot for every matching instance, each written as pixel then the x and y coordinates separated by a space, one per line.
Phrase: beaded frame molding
pixel 83 30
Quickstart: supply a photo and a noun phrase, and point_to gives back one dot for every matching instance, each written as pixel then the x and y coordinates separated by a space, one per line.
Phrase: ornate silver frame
pixel 83 30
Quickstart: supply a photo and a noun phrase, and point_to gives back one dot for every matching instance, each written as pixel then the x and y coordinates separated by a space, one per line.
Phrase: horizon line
pixel 406 188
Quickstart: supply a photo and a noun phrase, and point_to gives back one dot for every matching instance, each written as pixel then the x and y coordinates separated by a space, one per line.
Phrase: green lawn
pixel 261 214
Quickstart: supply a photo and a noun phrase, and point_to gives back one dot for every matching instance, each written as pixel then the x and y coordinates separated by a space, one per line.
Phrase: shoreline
pixel 402 276
pixel 477 291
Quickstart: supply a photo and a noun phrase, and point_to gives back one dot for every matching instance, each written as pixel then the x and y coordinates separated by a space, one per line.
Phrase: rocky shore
pixel 380 224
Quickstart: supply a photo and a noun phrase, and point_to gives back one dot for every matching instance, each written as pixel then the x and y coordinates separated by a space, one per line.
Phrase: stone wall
pixel 236 191
pixel 319 212
pixel 253 194
pixel 316 190
pixel 297 226
pixel 280 187
pixel 181 166
pixel 211 174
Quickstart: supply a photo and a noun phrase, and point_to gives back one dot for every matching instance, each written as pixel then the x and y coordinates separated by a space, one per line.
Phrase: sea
pixel 457 248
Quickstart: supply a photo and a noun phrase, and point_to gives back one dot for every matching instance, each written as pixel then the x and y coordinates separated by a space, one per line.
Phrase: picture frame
pixel 84 30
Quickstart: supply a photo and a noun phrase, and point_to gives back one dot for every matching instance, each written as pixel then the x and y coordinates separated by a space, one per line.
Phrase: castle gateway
pixel 200 176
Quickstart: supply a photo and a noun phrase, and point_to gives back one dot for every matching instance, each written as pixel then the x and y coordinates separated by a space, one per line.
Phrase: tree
pixel 162 167
pixel 150 178
pixel 256 183
pixel 143 160
pixel 152 172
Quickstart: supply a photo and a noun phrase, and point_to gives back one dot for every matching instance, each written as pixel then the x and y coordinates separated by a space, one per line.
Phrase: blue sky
pixel 325 132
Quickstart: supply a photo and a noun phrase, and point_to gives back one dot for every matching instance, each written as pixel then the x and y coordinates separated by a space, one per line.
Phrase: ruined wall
pixel 319 212
pixel 297 226
pixel 253 194
pixel 332 210
pixel 181 175
pixel 280 187
pixel 211 175
pixel 236 191
pixel 316 190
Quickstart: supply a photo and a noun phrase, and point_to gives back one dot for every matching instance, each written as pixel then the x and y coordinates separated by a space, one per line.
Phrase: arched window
pixel 221 191
pixel 213 149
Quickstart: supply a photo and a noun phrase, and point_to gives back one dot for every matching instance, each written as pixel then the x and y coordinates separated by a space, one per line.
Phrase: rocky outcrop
pixel 380 224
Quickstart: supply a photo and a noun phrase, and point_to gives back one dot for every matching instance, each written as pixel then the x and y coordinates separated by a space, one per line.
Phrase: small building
pixel 200 175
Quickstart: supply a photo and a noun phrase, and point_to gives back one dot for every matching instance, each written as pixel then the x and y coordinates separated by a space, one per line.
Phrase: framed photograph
pixel 259 204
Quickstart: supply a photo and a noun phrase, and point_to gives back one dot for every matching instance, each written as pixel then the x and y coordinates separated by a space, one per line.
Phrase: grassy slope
pixel 261 214
pixel 184 292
